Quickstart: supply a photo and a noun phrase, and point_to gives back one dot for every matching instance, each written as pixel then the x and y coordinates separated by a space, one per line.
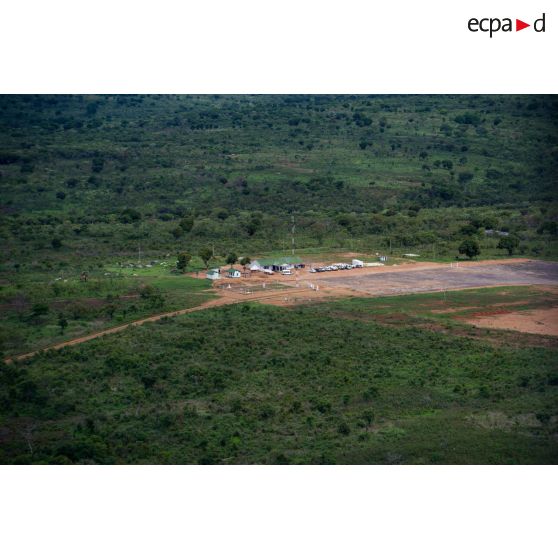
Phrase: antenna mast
pixel 293 235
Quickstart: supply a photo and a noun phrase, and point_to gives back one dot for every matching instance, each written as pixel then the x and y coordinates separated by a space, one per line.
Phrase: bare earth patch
pixel 452 310
pixel 542 322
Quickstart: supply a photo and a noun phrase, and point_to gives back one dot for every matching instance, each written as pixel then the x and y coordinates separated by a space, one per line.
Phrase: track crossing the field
pixel 225 299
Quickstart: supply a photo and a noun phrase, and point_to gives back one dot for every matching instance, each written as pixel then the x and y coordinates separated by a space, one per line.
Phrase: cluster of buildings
pixel 279 264
pixel 217 273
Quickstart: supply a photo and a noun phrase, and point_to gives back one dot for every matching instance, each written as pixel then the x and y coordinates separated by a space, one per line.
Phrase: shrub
pixel 343 429
pixel 470 247
pixel 509 243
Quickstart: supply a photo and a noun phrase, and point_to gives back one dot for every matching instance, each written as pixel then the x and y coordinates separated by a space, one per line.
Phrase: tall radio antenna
pixel 293 235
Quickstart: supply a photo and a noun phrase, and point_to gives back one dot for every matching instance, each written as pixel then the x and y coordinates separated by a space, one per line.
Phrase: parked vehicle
pixel 286 272
pixel 268 271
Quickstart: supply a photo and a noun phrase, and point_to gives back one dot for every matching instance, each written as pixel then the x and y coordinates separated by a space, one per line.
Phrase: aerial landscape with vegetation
pixel 384 286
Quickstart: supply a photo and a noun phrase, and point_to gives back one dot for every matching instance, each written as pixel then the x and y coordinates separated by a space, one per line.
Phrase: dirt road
pixel 224 299
pixel 404 279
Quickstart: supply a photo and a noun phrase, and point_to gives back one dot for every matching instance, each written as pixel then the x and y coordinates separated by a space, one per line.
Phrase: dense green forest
pixel 92 176
pixel 253 384
pixel 89 183
pixel 99 194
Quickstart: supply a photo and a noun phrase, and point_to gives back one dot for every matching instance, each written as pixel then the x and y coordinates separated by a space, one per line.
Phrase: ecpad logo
pixel 493 25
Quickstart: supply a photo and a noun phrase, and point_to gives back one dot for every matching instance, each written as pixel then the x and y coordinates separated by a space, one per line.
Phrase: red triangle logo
pixel 519 25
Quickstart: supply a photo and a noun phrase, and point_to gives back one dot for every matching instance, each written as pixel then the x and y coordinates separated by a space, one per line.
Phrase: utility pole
pixel 293 235
pixel 139 252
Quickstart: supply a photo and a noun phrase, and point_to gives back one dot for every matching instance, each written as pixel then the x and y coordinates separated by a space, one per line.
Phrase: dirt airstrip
pixel 431 278
pixel 304 286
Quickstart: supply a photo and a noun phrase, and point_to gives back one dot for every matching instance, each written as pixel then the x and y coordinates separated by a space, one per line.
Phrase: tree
pixel 183 261
pixel 177 232
pixel 251 228
pixel 110 310
pixel 56 243
pixel 465 177
pixel 147 292
pixel 245 261
pixel 152 296
pixel 221 213
pixel 39 309
pixel 344 429
pixel 60 195
pixel 254 225
pixel 468 230
pixel 550 227
pixel 468 118
pixel 205 254
pixel 62 323
pixel 186 223
pixel 509 243
pixel 470 247
pixel 319 230
pixel 97 164
pixel 368 416
pixel 129 215
pixel 232 258
pixel 486 222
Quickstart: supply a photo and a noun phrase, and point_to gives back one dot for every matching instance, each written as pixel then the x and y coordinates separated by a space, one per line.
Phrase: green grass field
pixel 36 307
pixel 433 305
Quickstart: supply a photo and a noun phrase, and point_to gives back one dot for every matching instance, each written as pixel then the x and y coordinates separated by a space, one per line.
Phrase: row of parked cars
pixel 333 267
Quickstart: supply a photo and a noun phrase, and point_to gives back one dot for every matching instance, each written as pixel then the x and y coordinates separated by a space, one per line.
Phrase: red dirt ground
pixel 299 291
pixel 540 321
